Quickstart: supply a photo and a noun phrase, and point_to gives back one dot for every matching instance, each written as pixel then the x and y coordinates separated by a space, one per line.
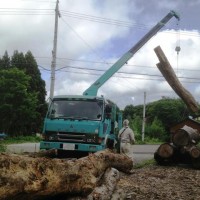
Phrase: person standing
pixel 127 138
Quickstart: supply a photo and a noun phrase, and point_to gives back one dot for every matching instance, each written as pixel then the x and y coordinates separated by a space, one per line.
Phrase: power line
pixel 81 16
pixel 111 63
pixel 26 11
pixel 90 47
pixel 129 73
pixel 103 20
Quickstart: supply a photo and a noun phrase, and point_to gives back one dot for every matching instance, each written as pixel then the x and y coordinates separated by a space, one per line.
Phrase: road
pixel 143 152
pixel 140 152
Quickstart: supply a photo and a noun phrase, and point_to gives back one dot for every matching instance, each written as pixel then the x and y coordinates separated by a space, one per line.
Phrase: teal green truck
pixel 89 123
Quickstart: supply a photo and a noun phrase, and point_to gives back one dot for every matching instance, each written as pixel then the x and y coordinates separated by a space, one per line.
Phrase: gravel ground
pixel 161 182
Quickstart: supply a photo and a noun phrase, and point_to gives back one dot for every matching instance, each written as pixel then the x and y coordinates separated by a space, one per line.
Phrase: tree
pixel 168 111
pixel 18 60
pixel 5 61
pixel 156 130
pixel 37 85
pixel 136 125
pixel 160 116
pixel 17 103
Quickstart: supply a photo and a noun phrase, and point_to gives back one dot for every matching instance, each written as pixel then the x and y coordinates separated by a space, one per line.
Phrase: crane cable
pixel 178 48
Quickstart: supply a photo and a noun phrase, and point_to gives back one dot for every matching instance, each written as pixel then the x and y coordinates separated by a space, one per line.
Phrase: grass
pixel 20 139
pixel 149 141
pixel 145 163
pixel 17 140
pixel 2 148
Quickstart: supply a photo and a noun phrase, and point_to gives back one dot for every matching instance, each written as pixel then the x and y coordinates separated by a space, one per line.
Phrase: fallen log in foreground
pixel 24 177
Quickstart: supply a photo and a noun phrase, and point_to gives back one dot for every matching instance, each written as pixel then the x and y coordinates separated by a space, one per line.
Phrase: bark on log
pixel 185 136
pixel 170 76
pixel 105 191
pixel 23 177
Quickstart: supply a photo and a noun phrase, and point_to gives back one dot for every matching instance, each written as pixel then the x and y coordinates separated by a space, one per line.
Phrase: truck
pixel 87 123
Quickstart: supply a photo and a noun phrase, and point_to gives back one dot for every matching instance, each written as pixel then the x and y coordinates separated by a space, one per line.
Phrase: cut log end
pixel 165 150
pixel 180 138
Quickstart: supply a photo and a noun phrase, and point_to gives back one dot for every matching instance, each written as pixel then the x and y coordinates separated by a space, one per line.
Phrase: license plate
pixel 68 146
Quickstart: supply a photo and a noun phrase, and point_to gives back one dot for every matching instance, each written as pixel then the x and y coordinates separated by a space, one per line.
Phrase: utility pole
pixel 53 63
pixel 143 121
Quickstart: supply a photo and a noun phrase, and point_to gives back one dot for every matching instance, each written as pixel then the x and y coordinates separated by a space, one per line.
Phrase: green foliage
pixel 22 104
pixel 156 130
pixel 160 116
pixel 136 125
pixel 2 147
pixel 168 111
pixel 145 163
pixel 17 105
pixel 5 61
pixel 20 139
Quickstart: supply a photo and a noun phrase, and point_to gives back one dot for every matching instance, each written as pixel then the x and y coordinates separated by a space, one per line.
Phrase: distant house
pixel 189 122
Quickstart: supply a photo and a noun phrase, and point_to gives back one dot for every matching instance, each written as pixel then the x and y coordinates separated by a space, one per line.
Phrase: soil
pixel 161 182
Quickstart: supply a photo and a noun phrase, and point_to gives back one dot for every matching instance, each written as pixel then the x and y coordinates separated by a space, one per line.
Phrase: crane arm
pixel 93 89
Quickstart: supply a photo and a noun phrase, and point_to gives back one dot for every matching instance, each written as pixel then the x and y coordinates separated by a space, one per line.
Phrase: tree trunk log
pixel 105 190
pixel 170 76
pixel 23 177
pixel 185 136
pixel 165 153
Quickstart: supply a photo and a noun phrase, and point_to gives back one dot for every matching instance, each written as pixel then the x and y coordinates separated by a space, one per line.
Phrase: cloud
pixel 88 39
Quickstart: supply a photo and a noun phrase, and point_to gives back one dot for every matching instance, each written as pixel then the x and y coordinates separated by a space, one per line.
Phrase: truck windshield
pixel 76 109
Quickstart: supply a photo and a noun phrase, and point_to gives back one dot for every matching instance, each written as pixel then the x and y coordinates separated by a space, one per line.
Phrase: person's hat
pixel 126 122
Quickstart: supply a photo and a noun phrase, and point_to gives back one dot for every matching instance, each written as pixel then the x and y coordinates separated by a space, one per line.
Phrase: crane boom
pixel 93 89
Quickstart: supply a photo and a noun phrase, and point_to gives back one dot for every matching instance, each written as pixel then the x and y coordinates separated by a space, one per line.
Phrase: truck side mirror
pixel 108 111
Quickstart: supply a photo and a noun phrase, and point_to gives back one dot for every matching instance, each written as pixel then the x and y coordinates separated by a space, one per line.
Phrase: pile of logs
pixel 91 177
pixel 183 148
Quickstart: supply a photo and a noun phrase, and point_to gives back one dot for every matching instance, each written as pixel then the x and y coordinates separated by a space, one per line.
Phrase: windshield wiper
pixel 81 118
pixel 62 117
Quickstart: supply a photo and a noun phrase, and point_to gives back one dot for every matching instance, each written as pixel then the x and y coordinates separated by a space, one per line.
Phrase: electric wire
pixel 86 43
pixel 81 16
pixel 123 73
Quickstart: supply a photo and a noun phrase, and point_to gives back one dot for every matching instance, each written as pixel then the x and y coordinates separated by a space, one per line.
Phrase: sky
pixel 94 34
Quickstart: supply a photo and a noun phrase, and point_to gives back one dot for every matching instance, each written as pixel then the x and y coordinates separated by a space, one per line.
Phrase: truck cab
pixel 80 123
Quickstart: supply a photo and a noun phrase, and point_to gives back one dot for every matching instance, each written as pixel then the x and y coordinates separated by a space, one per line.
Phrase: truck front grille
pixel 69 137
pixel 73 137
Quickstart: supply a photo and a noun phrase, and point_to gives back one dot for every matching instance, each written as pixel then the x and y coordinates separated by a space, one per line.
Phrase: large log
pixel 170 76
pixel 192 155
pixel 105 191
pixel 185 136
pixel 165 154
pixel 24 177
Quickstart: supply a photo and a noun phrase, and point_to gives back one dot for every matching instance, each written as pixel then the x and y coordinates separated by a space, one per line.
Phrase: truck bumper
pixel 72 147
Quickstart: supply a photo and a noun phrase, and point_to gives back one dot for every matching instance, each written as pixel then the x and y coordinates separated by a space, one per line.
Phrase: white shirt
pixel 126 135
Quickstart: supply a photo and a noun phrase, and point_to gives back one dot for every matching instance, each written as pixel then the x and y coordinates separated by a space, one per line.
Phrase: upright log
pixel 24 177
pixel 170 76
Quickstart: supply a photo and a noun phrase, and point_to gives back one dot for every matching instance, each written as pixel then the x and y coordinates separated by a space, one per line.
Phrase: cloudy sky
pixel 94 34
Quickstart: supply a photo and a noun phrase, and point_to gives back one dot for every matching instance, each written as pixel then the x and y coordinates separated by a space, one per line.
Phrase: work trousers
pixel 125 148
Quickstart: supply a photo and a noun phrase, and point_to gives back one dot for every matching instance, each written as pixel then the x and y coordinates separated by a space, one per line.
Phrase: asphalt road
pixel 140 152
pixel 143 152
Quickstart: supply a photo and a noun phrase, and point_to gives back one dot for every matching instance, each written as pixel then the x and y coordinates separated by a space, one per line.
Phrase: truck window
pixel 76 109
